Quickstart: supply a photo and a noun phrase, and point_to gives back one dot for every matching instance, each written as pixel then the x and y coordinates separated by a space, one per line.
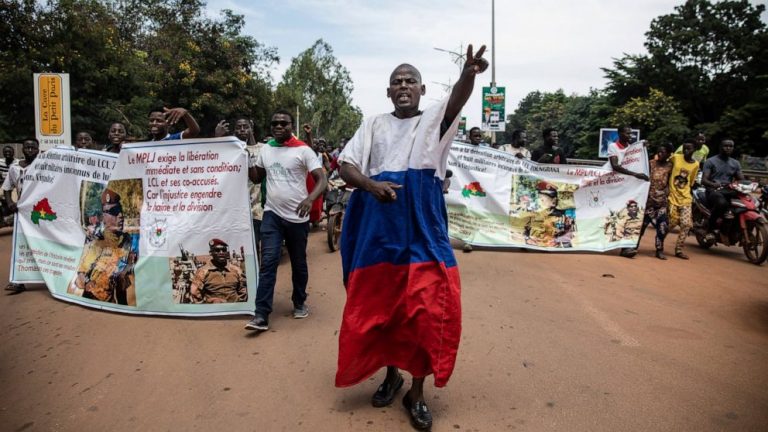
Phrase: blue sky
pixel 540 45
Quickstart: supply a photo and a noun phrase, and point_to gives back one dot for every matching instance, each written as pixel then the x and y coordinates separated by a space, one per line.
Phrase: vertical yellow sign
pixel 50 104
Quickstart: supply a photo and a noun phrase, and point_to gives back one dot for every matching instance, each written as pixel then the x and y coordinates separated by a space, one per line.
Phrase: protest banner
pixel 163 228
pixel 496 199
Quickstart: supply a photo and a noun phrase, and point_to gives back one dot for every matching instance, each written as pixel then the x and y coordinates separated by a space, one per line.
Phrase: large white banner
pixel 496 199
pixel 165 228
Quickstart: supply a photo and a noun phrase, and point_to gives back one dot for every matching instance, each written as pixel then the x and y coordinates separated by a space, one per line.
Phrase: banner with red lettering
pixel 163 228
pixel 496 199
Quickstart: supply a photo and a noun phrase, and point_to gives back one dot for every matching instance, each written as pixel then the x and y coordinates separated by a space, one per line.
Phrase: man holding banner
pixel 15 180
pixel 403 305
pixel 616 152
pixel 161 118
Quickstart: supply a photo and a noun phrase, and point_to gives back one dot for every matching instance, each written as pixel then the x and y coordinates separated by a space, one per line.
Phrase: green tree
pixel 658 117
pixel 126 56
pixel 320 86
pixel 710 57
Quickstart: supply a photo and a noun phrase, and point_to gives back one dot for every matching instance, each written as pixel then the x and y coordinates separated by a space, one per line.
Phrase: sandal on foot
pixel 681 255
pixel 385 394
pixel 418 411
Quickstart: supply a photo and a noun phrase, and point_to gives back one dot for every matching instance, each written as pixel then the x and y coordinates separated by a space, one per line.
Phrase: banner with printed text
pixel 163 228
pixel 496 199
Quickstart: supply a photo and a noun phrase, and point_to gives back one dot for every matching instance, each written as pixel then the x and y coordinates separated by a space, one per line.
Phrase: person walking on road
pixel 658 199
pixel 284 163
pixel 684 170
pixel 616 152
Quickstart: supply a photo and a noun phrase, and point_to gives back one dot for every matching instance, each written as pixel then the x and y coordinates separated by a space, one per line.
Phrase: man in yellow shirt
pixel 684 170
pixel 700 151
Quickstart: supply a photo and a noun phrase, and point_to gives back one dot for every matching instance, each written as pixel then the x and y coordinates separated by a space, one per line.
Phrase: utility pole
pixel 493 57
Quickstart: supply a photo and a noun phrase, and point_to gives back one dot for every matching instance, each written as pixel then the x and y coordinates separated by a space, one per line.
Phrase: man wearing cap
pixel 219 281
pixel 546 225
pixel 105 272
pixel 628 221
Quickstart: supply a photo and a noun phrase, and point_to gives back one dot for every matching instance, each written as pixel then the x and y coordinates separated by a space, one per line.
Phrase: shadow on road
pixel 755 316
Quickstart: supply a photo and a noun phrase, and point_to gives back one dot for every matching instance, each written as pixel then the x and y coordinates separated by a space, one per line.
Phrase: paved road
pixel 551 342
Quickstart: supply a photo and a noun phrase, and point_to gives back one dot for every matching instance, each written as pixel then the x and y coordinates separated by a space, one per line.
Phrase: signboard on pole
pixel 52 115
pixel 493 117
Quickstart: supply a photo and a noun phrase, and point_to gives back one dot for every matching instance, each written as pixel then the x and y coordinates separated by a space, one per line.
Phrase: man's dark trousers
pixel 274 230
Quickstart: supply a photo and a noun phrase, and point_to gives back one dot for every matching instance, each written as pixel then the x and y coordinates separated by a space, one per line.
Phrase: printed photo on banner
pixel 624 223
pixel 611 135
pixel 218 277
pixel 542 213
pixel 110 221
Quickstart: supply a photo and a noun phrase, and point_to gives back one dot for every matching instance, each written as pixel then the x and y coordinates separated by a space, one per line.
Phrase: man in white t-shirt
pixel 15 180
pixel 517 148
pixel 284 164
pixel 616 152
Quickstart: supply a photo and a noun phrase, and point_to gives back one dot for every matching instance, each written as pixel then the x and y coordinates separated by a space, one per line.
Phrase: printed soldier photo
pixel 215 278
pixel 543 213
pixel 105 272
pixel 625 224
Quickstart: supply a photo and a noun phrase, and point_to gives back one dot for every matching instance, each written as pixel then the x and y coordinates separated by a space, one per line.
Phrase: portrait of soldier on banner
pixel 543 212
pixel 110 221
pixel 218 277
pixel 625 223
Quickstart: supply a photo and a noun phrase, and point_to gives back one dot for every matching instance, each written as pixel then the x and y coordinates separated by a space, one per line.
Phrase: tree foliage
pixel 125 57
pixel 706 70
pixel 657 114
pixel 710 58
pixel 320 87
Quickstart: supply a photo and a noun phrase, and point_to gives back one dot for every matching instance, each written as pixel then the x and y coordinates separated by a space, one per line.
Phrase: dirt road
pixel 551 342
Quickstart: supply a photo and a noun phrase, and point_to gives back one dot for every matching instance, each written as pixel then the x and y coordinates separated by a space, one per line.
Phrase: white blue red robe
pixel 403 290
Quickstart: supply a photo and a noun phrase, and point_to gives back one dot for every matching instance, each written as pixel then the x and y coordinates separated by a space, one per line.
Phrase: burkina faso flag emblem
pixel 42 211
pixel 473 189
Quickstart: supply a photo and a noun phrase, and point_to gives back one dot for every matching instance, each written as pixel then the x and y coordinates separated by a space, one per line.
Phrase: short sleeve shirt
pixel 15 178
pixel 721 171
pixel 699 155
pixel 617 149
pixel 515 150
pixel 657 193
pixel 555 156
pixel 287 169
pixel 681 180
pixel 4 167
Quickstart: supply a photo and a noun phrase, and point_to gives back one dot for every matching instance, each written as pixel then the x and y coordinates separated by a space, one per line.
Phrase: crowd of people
pixel 396 254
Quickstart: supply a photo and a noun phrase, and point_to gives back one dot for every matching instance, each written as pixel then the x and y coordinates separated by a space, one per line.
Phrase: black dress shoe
pixel 418 411
pixel 385 394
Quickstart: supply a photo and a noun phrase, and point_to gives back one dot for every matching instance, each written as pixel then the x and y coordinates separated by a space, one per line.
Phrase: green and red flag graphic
pixel 473 189
pixel 42 211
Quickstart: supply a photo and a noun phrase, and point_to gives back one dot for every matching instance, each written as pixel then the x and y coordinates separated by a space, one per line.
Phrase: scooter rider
pixel 720 171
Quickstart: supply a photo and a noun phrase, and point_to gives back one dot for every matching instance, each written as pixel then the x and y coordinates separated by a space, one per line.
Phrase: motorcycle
pixel 742 224
pixel 764 202
pixel 335 205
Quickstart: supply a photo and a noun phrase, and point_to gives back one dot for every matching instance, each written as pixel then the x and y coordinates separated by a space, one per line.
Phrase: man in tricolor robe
pixel 403 307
